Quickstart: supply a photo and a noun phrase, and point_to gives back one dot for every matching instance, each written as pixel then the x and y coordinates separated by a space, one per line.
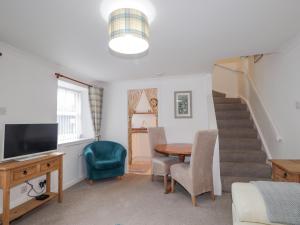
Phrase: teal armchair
pixel 104 159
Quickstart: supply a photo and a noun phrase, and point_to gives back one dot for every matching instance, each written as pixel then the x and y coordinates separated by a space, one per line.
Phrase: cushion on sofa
pixel 235 219
pixel 249 204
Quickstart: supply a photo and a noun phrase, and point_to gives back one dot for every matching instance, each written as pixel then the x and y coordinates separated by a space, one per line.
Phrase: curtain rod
pixel 58 75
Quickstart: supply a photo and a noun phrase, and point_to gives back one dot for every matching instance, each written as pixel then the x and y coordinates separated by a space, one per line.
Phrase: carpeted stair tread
pixel 245 169
pixel 232 114
pixel 242 156
pixel 230 107
pixel 246 150
pixel 238 132
pixel 234 123
pixel 227 181
pixel 218 94
pixel 222 100
pixel 234 143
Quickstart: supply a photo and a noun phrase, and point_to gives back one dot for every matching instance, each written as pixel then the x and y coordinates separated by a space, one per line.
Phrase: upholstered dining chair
pixel 160 163
pixel 197 176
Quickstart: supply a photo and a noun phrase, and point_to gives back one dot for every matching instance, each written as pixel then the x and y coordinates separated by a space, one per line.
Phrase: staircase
pixel 242 159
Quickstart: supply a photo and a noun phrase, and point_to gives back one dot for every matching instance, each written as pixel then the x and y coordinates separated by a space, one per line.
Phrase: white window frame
pixel 77 134
pixel 85 121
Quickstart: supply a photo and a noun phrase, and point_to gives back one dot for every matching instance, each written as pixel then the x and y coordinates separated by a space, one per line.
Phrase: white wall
pixel 277 80
pixel 226 81
pixel 115 121
pixel 115 107
pixel 28 92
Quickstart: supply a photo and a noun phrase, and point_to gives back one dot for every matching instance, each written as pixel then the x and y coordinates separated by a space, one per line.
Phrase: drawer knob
pixel 25 172
pixel 48 164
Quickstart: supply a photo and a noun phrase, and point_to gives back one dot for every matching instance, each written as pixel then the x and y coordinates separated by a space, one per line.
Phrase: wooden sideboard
pixel 286 170
pixel 13 173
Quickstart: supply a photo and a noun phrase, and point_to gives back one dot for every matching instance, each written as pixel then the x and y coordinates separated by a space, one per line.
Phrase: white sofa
pixel 248 207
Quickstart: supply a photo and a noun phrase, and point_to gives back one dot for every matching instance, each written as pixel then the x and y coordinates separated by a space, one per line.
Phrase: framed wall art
pixel 183 104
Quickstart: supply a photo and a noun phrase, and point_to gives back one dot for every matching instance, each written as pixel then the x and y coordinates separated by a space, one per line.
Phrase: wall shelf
pixel 139 130
pixel 26 207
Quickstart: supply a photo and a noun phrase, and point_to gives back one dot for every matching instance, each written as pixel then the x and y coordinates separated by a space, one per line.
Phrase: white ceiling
pixel 187 36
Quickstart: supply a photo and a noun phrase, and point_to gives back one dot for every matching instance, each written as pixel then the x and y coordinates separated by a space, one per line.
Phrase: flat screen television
pixel 23 140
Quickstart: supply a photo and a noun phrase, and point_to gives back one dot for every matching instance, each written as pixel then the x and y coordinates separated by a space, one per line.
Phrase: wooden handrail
pixel 58 75
pixel 258 57
pixel 226 68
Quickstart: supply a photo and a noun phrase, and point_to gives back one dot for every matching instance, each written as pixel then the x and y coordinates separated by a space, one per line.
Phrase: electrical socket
pixel 42 183
pixel 23 189
pixel 2 111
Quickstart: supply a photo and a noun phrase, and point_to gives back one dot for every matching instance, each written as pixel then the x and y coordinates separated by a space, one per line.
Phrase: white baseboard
pixel 73 182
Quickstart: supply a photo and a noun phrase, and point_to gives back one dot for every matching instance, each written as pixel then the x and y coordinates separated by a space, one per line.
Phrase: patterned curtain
pixel 133 100
pixel 96 100
pixel 151 93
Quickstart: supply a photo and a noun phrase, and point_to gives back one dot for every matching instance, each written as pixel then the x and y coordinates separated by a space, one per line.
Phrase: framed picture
pixel 183 104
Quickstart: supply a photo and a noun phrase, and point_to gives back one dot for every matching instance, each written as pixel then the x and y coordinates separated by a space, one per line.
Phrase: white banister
pixel 278 137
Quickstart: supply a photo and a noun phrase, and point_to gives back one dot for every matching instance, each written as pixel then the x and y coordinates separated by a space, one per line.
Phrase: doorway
pixel 142 113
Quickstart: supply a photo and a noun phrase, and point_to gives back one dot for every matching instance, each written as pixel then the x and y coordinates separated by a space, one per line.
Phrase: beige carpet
pixel 134 200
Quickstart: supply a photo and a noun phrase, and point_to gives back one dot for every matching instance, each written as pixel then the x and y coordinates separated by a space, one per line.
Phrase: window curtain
pixel 133 100
pixel 151 93
pixel 96 100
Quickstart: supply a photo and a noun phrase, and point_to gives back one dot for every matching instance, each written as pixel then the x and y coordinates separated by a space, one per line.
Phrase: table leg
pixel 181 158
pixel 60 181
pixel 48 182
pixel 6 201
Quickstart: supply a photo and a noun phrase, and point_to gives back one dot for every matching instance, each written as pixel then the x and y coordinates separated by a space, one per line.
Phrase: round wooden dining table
pixel 178 149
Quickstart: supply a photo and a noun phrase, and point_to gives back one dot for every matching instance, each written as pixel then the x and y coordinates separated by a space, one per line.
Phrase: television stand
pixel 15 172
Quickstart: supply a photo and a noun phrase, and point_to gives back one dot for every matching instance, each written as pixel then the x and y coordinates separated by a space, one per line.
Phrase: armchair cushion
pixel 107 164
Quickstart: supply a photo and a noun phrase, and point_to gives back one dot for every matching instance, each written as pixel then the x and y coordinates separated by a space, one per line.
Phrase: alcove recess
pixel 140 102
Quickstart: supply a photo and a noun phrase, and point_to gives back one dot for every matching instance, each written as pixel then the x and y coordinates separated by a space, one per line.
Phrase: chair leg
pixel 152 177
pixel 166 183
pixel 212 195
pixel 172 185
pixel 194 200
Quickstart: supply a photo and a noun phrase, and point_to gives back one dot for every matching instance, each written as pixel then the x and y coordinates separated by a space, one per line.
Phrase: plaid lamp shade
pixel 127 22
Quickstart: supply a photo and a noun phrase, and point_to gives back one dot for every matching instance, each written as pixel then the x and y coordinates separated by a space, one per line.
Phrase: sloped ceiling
pixel 186 36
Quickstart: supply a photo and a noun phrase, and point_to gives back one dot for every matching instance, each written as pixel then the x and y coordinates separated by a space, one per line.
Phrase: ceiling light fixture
pixel 128 31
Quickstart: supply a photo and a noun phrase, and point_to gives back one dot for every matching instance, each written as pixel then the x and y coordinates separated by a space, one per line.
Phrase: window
pixel 73 113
